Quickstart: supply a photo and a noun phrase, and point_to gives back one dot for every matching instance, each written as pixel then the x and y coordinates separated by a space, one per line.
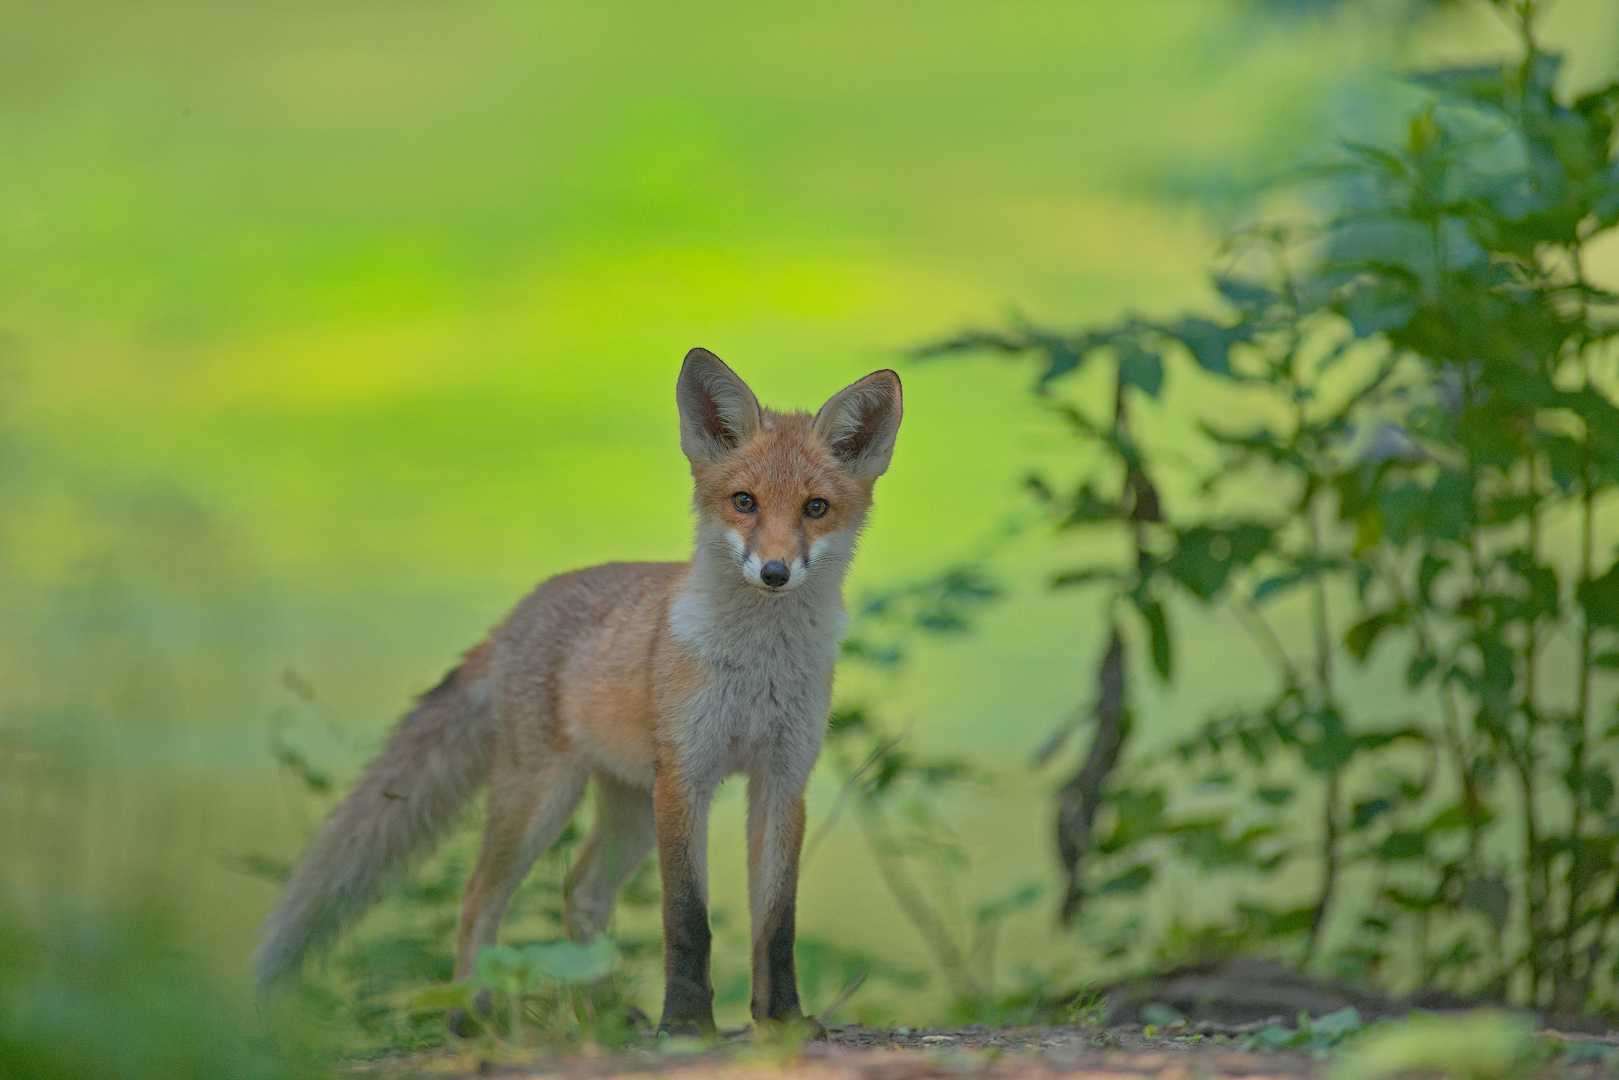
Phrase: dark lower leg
pixel 688 999
pixel 775 976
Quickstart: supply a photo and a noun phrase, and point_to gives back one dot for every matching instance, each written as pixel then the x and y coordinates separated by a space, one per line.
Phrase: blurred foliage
pixel 1436 374
pixel 97 994
pixel 94 986
pixel 898 795
pixel 1317 1035
pixel 1474 1046
pixel 241 357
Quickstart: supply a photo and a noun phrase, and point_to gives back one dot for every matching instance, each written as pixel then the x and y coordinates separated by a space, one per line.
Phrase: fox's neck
pixel 720 614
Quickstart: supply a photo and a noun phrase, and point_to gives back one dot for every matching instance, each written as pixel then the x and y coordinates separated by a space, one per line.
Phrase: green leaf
pixel 1132 880
pixel 1378 307
pixel 1482 87
pixel 1022 897
pixel 1209 343
pixel 1402 845
pixel 1421 666
pixel 1432 566
pixel 1295 921
pixel 1332 747
pixel 503 968
pixel 1061 359
pixel 1450 506
pixel 1138 815
pixel 1336 1025
pixel 1205 555
pixel 1152 612
pixel 1410 901
pixel 1598 789
pixel 1308 570
pixel 1088 506
pixel 1565 456
pixel 571 962
pixel 1084 576
pixel 1364 813
pixel 1273 1036
pixel 1139 368
pixel 1248 295
pixel 1195 564
pixel 1507 508
pixel 1453 817
pixel 1544 594
pixel 1600 598
pixel 1204 843
pixel 1401 509
pixel 1363 635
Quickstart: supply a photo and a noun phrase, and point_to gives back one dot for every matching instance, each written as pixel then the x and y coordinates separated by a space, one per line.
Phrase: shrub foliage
pixel 1416 492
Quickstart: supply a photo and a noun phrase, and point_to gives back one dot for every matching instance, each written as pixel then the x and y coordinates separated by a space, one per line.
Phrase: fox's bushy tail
pixel 435 759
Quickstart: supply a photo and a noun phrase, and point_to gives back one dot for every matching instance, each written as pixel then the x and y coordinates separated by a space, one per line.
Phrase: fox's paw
pixel 687 1027
pixel 462 1024
pixel 638 1022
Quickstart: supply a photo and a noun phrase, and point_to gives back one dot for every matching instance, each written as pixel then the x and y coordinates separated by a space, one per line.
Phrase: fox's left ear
pixel 859 422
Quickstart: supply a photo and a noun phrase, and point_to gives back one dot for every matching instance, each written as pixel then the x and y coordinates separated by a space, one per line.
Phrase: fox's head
pixel 782 495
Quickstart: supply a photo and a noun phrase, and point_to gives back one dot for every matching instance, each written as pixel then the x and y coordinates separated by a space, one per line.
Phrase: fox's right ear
pixel 717 410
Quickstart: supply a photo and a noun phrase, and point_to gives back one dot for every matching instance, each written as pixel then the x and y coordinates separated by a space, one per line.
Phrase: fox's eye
pixel 816 508
pixel 744 502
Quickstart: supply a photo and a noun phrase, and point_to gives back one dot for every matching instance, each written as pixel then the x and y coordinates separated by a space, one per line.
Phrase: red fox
pixel 658 680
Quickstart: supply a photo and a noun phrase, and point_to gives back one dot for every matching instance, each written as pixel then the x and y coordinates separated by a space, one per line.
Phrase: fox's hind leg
pixel 618 843
pixel 527 812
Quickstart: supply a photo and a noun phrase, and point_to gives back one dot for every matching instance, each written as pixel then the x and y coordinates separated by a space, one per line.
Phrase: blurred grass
pixel 328 329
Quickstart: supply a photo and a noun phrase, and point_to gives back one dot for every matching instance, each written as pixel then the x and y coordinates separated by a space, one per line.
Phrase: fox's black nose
pixel 774 573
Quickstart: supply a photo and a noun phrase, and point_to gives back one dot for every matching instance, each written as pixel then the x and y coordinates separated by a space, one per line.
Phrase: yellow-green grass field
pixel 327 329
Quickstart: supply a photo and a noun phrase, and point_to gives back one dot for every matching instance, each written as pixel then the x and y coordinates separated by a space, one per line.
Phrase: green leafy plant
pixel 1417 497
pixel 1317 1035
pixel 552 975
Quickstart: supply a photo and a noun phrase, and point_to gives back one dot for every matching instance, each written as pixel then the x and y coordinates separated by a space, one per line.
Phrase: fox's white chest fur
pixel 768 660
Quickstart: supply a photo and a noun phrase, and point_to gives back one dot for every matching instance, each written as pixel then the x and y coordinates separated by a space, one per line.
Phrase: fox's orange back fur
pixel 656 679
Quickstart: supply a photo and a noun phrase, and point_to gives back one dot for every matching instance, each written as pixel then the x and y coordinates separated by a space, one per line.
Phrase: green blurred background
pixel 327 329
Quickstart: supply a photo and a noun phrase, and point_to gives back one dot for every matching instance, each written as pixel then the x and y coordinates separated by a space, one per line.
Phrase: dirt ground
pixel 851 1052
pixel 1217 1012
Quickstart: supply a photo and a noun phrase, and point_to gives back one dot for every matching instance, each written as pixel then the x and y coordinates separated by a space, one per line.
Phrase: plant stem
pixel 1565 988
pixel 1262 631
pixel 1329 869
pixel 1330 798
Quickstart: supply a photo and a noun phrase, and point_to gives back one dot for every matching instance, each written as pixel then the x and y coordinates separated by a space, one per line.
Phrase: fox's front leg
pixel 682 826
pixel 775 839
